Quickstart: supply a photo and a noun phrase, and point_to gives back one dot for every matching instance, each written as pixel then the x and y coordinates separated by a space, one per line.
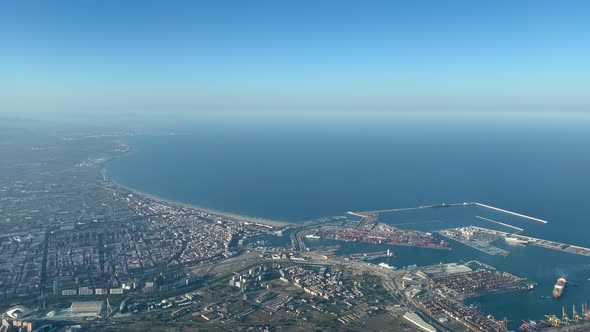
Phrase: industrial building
pixel 87 308
pixel 418 322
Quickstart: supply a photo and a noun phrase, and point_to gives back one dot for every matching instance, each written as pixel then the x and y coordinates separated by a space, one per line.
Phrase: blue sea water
pixel 298 168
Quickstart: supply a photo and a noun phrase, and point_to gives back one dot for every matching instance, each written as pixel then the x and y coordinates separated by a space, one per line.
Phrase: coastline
pixel 235 216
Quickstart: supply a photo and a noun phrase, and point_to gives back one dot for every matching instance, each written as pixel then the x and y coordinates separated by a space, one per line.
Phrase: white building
pixel 418 322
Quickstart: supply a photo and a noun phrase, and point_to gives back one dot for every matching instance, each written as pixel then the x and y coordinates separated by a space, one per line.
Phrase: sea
pixel 299 167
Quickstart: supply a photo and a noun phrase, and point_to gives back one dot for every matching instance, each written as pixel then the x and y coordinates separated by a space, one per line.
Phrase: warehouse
pixel 87 308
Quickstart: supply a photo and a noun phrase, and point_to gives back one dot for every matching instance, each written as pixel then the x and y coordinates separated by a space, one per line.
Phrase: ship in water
pixel 558 288
pixel 515 240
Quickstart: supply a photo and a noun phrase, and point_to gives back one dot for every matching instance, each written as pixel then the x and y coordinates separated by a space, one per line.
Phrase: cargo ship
pixel 532 326
pixel 558 288
pixel 528 326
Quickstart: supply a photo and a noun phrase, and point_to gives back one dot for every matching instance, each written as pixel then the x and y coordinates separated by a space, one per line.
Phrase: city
pixel 294 166
pixel 111 258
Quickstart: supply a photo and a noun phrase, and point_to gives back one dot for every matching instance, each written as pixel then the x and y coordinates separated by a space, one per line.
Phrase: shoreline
pixel 230 215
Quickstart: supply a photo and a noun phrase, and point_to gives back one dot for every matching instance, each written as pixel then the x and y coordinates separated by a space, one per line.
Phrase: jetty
pixel 365 214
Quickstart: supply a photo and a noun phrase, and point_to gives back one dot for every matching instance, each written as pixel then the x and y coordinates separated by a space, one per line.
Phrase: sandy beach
pixel 274 223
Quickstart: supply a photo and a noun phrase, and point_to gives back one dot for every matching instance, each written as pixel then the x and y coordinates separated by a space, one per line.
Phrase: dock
pixel 371 255
pixel 553 245
pixel 533 241
pixel 478 244
pixel 490 231
pixel 368 220
pixel 356 214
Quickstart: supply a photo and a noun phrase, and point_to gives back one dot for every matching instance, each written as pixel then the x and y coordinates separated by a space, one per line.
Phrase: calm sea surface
pixel 301 168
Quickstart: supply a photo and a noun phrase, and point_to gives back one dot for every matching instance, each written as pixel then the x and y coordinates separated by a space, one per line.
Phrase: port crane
pixel 553 320
pixel 575 316
pixel 564 317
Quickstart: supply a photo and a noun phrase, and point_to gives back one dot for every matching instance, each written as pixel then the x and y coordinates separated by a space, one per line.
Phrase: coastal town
pixel 294 166
pixel 79 252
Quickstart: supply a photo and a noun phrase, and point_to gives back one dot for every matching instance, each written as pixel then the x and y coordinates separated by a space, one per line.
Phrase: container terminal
pixel 439 291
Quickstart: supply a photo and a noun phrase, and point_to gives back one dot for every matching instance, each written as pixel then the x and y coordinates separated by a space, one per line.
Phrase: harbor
pixel 480 238
pixel 360 241
pixel 574 322
pixel 365 214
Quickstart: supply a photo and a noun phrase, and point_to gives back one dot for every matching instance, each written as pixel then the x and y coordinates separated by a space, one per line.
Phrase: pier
pixel 477 238
pixel 455 234
pixel 367 222
pixel 500 223
pixel 511 212
pixel 356 214
pixel 490 231
pixel 371 255
pixel 443 205
pixel 364 214
pixel 369 219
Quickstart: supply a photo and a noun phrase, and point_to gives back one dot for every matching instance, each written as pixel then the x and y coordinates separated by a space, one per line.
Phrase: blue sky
pixel 295 55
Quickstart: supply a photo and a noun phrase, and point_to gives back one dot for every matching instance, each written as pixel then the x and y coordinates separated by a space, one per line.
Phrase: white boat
pixel 515 240
pixel 386 266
